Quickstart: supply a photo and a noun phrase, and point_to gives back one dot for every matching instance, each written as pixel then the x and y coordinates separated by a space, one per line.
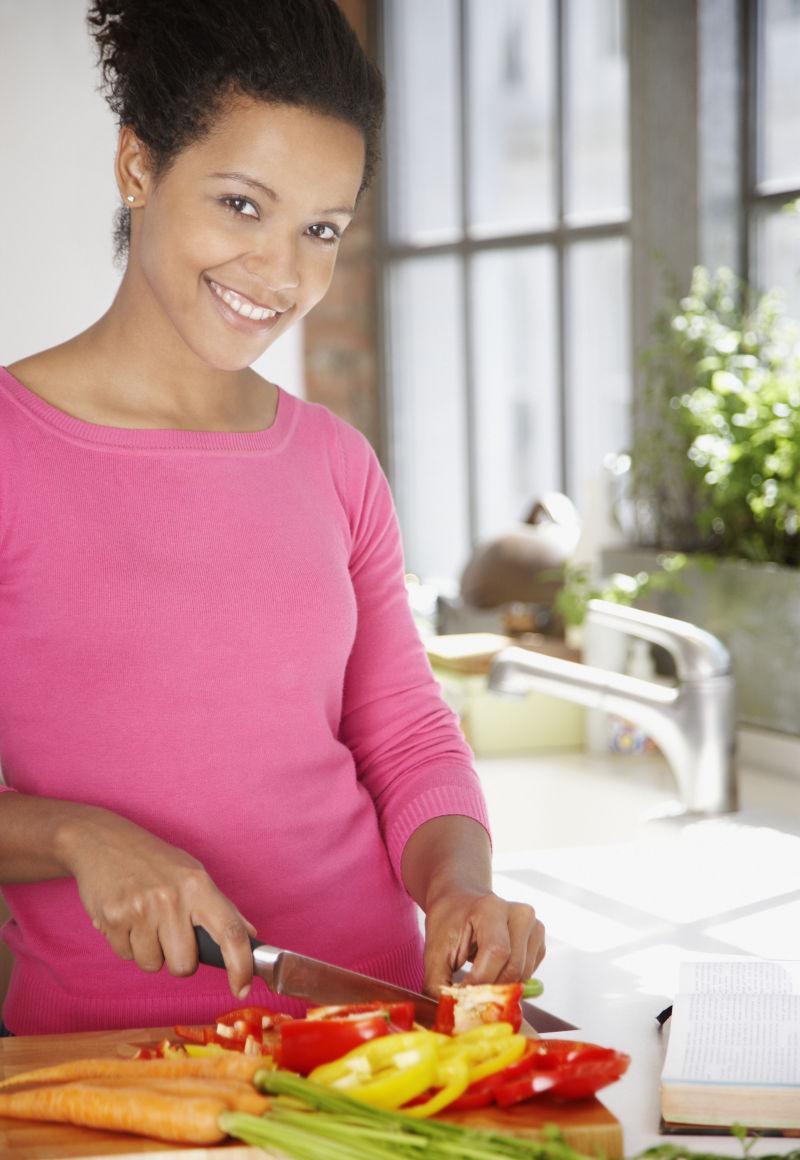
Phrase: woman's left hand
pixel 504 940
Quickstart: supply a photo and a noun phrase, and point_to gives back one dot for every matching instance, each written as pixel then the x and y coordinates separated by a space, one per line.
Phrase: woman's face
pixel 238 239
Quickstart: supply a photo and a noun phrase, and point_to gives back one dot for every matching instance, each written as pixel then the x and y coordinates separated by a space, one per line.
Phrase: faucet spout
pixel 693 723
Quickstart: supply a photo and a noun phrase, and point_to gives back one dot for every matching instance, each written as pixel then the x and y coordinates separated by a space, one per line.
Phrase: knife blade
pixel 300 977
pixel 291 974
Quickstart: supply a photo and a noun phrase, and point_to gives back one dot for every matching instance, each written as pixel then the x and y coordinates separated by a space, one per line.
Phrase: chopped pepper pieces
pixel 452 1078
pixel 463 1006
pixel 400 1016
pixel 386 1072
pixel 566 1070
pixel 306 1044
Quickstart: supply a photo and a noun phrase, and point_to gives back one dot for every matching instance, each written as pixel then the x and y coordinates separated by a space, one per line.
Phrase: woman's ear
pixel 131 168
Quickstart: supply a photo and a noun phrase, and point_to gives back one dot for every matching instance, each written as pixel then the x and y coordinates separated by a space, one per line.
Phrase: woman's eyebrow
pixel 349 211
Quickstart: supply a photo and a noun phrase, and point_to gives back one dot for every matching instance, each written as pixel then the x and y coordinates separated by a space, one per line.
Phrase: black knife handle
pixel 209 951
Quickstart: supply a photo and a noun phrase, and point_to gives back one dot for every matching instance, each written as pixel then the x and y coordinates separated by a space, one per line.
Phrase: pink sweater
pixel 208 633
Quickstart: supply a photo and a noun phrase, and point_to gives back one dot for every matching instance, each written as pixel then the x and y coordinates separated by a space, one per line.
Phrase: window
pixel 505 255
pixel 774 178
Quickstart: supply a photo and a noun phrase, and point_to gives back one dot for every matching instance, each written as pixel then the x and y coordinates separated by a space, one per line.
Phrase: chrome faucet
pixel 693 723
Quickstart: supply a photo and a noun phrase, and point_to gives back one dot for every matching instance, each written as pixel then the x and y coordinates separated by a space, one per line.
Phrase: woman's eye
pixel 324 232
pixel 242 206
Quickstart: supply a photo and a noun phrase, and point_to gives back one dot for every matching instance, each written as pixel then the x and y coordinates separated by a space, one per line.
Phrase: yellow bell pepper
pixel 486 1049
pixel 452 1079
pixel 203 1048
pixel 385 1072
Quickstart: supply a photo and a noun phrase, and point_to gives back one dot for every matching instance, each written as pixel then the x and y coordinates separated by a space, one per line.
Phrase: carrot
pixel 239 1095
pixel 142 1111
pixel 231 1063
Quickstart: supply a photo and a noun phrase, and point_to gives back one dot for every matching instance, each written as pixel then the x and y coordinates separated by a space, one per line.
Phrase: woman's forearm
pixel 447 870
pixel 447 854
pixel 35 836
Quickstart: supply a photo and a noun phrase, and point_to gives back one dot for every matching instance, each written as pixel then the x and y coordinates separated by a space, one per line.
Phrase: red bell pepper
pixel 400 1016
pixel 305 1044
pixel 203 1034
pixel 481 1093
pixel 564 1069
pixel 243 1029
pixel 249 1021
pixel 467 1005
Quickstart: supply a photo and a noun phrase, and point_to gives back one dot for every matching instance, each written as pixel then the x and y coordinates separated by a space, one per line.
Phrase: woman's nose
pixel 275 265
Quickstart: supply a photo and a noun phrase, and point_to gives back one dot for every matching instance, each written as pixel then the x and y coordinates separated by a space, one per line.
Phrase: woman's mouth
pixel 240 311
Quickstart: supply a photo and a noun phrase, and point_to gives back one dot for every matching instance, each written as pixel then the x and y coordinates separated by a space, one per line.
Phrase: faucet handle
pixel 697 653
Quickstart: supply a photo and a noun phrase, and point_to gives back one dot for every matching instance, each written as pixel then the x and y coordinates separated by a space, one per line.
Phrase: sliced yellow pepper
pixel 203 1048
pixel 385 1072
pixel 452 1079
pixel 486 1049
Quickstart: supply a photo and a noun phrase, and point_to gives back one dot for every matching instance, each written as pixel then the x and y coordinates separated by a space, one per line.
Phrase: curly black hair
pixel 168 65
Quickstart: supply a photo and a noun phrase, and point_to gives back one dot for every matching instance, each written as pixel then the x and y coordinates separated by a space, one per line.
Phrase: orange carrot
pixel 142 1111
pixel 239 1095
pixel 229 1063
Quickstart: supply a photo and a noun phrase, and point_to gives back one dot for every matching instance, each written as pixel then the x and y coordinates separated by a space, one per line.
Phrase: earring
pixel 131 197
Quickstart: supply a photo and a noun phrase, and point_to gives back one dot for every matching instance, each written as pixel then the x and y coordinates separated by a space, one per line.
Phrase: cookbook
pixel 734 1049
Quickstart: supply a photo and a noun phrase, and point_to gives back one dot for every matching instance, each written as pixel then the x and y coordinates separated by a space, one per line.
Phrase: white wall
pixel 57 189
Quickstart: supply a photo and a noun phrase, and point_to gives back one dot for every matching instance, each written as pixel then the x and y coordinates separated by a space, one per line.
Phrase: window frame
pixel 757 195
pixel 560 237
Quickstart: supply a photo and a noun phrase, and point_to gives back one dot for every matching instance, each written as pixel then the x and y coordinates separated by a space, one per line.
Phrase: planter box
pixel 754 609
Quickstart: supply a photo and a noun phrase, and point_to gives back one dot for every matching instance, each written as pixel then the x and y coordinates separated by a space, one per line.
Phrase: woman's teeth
pixel 245 308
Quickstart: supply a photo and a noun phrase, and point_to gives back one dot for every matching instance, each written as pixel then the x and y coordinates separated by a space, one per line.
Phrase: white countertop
pixel 625 900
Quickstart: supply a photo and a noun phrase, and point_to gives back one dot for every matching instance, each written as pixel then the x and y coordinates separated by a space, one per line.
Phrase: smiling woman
pixel 218 711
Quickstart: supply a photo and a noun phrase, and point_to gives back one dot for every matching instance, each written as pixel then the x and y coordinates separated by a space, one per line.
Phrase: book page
pixel 741 977
pixel 736 1023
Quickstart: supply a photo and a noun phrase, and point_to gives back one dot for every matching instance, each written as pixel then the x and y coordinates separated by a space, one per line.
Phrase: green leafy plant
pixel 716 463
pixel 579 587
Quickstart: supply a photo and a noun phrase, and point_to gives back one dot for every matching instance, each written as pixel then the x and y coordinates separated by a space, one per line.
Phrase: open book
pixel 734 1048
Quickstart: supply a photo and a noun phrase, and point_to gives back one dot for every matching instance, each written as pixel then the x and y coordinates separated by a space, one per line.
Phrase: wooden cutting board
pixel 587 1125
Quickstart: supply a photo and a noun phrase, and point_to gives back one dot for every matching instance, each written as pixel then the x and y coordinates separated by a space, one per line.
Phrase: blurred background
pixel 529 307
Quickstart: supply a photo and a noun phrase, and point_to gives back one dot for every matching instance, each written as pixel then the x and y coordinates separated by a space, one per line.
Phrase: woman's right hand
pixel 146 897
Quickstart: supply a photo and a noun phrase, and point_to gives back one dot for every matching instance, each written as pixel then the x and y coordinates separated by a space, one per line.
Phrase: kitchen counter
pixel 625 900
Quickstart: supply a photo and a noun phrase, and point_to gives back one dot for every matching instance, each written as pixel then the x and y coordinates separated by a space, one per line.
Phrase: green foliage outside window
pixel 716 463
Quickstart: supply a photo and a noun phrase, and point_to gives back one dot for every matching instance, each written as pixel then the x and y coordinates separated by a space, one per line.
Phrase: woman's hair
pixel 168 66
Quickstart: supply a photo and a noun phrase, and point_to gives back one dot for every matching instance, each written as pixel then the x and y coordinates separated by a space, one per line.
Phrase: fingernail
pixel 245 991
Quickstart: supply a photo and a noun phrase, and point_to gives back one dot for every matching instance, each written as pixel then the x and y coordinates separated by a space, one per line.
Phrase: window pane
pixel 598 386
pixel 423 156
pixel 515 383
pixel 779 105
pixel 428 413
pixel 511 75
pixel 597 109
pixel 777 245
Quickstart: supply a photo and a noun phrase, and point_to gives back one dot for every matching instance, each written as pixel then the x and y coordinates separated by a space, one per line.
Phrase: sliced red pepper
pixel 307 1043
pixel 196 1034
pixel 477 1095
pixel 481 1093
pixel 254 1019
pixel 466 1005
pixel 564 1069
pixel 399 1015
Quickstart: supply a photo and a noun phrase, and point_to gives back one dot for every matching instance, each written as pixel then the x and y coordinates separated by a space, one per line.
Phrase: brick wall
pixel 340 334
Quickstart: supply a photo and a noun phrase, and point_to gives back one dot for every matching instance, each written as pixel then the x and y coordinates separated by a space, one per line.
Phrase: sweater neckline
pixel 155 438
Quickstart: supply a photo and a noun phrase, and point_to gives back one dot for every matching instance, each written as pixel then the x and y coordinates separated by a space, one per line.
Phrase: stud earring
pixel 131 197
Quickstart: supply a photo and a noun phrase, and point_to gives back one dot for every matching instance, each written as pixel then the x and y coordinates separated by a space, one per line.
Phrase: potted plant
pixel 716 472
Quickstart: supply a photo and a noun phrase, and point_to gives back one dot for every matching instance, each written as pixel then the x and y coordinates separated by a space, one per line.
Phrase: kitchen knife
pixel 291 974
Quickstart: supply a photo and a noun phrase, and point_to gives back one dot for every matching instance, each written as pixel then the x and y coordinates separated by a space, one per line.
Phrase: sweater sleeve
pixel 407 743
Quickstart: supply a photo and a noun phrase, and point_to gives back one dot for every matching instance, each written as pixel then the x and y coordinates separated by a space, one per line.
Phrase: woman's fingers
pixel 505 940
pixel 231 930
pixel 146 948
